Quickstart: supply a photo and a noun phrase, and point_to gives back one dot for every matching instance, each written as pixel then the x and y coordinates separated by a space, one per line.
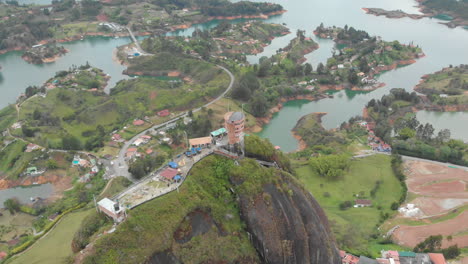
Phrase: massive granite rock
pixel 287 225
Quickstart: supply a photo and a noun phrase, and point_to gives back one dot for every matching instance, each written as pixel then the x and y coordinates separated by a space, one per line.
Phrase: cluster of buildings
pixel 225 139
pixel 394 257
pixel 87 164
pixel 112 26
pixel 376 143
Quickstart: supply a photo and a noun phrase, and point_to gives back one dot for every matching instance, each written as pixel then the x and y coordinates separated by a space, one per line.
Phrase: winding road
pixel 120 166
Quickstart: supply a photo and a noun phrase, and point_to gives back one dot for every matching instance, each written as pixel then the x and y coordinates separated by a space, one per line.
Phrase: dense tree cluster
pixel 411 137
pixel 141 167
pixel 434 244
pixel 331 167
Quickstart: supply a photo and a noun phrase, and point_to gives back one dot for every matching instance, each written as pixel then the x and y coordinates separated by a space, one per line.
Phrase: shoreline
pixel 302 145
pixel 45 60
pixel 140 34
pixel 262 121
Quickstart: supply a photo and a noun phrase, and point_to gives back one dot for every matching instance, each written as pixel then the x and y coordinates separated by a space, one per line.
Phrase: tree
pixel 451 252
pixel 12 205
pixel 406 133
pixel 70 142
pixel 353 78
pixel 52 164
pixel 258 104
pixel 248 83
pixel 331 166
pixel 430 244
pixel 443 136
pixel 320 68
pixel 364 65
pixel 308 69
pixel 36 114
pixel 300 34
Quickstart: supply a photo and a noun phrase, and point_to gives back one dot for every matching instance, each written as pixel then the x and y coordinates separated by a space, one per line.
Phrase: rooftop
pixel 234 116
pixel 200 141
pixel 218 132
pixel 437 258
pixel 169 173
pixel 107 204
pixel 363 201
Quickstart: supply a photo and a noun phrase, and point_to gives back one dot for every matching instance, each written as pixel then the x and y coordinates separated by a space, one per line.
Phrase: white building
pixel 112 209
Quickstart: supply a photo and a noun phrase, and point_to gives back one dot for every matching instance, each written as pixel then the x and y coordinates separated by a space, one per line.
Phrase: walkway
pixel 154 185
pixel 137 44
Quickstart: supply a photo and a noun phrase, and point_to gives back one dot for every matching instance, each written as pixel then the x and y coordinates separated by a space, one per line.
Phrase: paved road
pixel 120 166
pixel 435 162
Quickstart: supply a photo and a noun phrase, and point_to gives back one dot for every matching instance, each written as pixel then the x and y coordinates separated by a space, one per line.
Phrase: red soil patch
pixel 412 235
pixel 436 188
pixel 441 190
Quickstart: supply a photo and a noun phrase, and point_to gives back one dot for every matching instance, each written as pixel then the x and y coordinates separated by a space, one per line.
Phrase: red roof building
pixel 437 258
pixel 138 122
pixel 163 113
pixel 169 173
pixel 116 137
pixel 363 202
pixel 3 255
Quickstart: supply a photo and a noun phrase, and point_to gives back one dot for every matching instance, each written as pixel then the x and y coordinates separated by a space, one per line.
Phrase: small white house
pixel 112 209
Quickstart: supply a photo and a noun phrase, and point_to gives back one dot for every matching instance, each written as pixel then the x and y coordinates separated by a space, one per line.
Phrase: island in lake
pixel 453 11
pixel 40 54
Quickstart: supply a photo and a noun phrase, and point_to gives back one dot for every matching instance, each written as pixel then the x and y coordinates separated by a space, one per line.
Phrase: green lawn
pixel 7 117
pixel 116 185
pixel 353 227
pixel 55 247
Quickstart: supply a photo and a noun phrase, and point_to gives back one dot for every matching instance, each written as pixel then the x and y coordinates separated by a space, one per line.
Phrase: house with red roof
pixel 3 255
pixel 169 173
pixel 138 122
pixel 131 152
pixel 164 113
pixel 116 137
pixel 363 203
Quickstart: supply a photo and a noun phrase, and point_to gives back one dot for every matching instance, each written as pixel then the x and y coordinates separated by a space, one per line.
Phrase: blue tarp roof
pixel 173 164
pixel 177 177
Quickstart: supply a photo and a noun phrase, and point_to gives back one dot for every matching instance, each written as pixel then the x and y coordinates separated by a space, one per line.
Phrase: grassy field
pixel 354 227
pixel 55 246
pixel 74 29
pixel 13 159
pixel 12 226
pixel 7 117
pixel 115 186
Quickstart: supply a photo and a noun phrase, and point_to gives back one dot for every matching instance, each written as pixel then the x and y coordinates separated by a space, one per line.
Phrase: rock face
pixel 289 226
